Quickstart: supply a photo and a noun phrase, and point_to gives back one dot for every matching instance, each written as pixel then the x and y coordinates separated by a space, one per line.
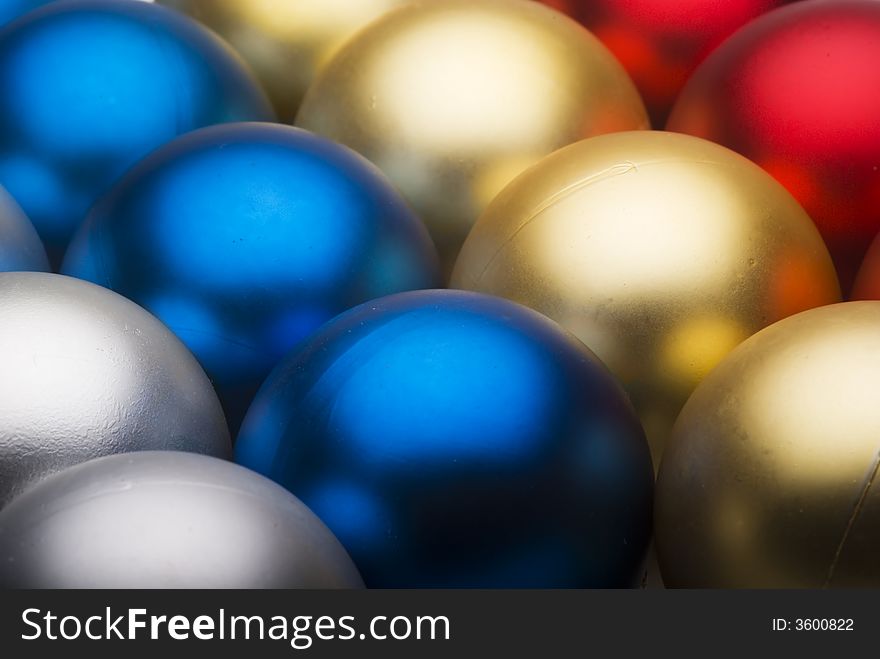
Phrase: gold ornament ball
pixel 285 41
pixel 454 98
pixel 660 251
pixel 771 479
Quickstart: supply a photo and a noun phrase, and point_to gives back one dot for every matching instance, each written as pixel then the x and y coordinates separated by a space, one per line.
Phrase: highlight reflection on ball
pixel 453 98
pixel 454 439
pixel 85 373
pixel 166 520
pixel 245 238
pixel 20 246
pixel 89 87
pixel 769 480
pixel 661 252
pixel 285 42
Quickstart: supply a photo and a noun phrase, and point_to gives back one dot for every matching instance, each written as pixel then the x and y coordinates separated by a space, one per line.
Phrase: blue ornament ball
pixel 12 9
pixel 452 439
pixel 88 87
pixel 245 238
pixel 20 246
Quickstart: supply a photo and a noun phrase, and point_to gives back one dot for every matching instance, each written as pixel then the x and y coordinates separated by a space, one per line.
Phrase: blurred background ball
pixel 245 238
pixel 84 373
pixel 166 520
pixel 20 246
pixel 285 41
pixel 867 284
pixel 661 42
pixel 661 252
pixel 798 92
pixel 770 480
pixel 458 440
pixel 453 98
pixel 89 87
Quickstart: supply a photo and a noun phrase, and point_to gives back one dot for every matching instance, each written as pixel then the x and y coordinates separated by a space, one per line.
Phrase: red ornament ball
pixel 661 42
pixel 798 92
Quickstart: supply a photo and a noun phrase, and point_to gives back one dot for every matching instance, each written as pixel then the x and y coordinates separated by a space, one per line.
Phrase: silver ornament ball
pixel 160 519
pixel 86 373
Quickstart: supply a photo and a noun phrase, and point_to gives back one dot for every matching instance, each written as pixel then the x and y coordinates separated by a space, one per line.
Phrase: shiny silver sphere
pixel 166 520
pixel 86 373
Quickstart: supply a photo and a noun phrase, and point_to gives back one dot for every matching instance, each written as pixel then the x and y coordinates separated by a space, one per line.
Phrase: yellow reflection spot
pixel 696 346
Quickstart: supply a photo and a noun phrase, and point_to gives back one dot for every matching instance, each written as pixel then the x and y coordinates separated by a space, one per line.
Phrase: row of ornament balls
pixel 620 297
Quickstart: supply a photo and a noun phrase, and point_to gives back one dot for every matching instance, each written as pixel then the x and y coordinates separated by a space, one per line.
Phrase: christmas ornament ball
pixel 453 98
pixel 85 373
pixel 285 42
pixel 798 92
pixel 769 480
pixel 245 238
pixel 20 246
pixel 451 439
pixel 661 42
pixel 89 87
pixel 660 251
pixel 160 519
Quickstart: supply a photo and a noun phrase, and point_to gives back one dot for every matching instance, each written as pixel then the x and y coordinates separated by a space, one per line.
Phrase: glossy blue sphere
pixel 20 246
pixel 451 439
pixel 245 238
pixel 88 87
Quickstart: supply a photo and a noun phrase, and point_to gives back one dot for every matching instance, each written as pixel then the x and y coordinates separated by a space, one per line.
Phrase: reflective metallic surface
pixel 84 373
pixel 87 88
pixel 166 520
pixel 285 41
pixel 245 238
pixel 661 42
pixel 661 252
pixel 771 477
pixel 454 439
pixel 798 92
pixel 453 98
pixel 20 246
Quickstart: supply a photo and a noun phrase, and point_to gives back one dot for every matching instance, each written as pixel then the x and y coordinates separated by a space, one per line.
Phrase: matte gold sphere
pixel 454 98
pixel 770 479
pixel 285 41
pixel 660 251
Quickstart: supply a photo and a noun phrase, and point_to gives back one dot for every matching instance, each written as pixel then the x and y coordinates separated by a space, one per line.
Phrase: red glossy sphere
pixel 661 42
pixel 798 92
